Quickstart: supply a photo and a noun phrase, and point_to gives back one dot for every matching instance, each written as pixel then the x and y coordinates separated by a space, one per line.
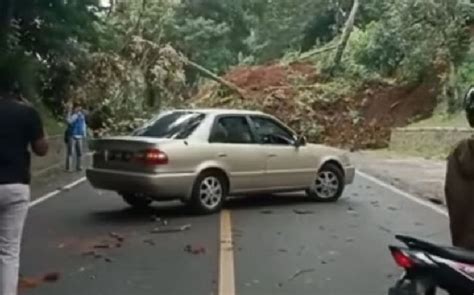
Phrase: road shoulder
pixel 420 177
pixel 55 178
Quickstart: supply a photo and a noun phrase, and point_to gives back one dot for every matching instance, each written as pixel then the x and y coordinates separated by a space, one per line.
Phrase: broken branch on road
pixel 171 229
pixel 102 246
pixel 303 212
pixel 300 272
pixel 117 236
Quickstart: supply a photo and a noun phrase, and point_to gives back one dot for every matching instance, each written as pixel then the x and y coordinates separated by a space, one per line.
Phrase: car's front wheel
pixel 209 192
pixel 328 185
pixel 136 200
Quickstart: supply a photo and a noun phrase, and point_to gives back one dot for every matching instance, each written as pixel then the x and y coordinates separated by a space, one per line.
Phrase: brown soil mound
pixel 258 78
pixel 295 94
pixel 380 107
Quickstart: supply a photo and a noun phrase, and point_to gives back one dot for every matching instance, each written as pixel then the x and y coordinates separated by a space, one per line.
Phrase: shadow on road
pixel 129 215
pixel 267 201
pixel 175 210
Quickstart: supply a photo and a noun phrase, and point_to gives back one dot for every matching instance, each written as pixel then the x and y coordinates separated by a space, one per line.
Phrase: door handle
pixel 272 155
pixel 222 155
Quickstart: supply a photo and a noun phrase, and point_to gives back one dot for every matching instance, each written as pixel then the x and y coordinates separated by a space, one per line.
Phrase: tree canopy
pixel 131 53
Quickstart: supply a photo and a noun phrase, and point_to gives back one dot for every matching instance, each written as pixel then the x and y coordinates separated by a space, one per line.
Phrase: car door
pixel 235 148
pixel 287 166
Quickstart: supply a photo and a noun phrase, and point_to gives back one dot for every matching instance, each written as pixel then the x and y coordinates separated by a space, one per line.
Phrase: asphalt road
pixel 281 244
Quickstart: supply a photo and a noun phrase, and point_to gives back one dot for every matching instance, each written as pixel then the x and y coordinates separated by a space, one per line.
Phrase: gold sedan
pixel 201 156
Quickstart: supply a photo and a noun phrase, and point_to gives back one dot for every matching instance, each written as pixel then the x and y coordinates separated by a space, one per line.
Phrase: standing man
pixel 75 135
pixel 20 128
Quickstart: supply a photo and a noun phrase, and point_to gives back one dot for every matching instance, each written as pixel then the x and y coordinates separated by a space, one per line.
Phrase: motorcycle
pixel 428 267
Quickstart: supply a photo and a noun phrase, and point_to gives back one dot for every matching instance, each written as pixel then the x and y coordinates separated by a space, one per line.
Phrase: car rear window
pixel 175 125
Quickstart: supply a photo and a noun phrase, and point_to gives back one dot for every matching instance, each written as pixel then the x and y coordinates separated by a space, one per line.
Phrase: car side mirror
pixel 300 141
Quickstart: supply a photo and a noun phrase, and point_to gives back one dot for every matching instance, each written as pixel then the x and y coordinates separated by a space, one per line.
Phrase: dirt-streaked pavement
pixel 281 245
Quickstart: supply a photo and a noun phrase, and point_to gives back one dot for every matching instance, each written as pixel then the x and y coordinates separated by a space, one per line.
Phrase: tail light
pixel 152 157
pixel 402 259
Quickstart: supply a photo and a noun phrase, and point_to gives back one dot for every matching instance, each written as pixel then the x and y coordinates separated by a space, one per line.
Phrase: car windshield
pixel 175 125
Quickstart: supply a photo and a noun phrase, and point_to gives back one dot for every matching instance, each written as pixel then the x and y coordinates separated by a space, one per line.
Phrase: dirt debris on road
pixel 149 242
pixel 102 246
pixel 158 219
pixel 171 229
pixel 303 212
pixel 25 283
pixel 117 236
pixel 383 228
pixel 195 250
pixel 300 273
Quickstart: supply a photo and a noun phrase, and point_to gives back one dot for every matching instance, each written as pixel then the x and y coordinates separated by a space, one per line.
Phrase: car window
pixel 270 131
pixel 235 129
pixel 174 125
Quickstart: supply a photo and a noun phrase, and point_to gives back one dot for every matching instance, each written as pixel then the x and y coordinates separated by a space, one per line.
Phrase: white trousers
pixel 14 201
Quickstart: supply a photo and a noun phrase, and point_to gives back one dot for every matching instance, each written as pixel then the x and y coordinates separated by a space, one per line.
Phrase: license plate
pixel 119 156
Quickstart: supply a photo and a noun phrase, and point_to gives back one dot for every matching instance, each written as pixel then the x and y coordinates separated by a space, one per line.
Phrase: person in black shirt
pixel 20 129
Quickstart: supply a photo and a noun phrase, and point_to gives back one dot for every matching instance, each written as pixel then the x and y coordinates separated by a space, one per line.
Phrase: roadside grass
pixel 424 153
pixel 443 120
pixel 51 124
pixel 431 149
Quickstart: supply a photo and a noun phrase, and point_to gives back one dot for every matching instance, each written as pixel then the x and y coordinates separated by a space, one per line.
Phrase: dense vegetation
pixel 131 57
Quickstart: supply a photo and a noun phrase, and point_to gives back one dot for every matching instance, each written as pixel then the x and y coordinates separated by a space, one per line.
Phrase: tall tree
pixel 346 34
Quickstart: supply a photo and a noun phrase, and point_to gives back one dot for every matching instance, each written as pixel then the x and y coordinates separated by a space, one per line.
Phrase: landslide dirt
pixel 298 94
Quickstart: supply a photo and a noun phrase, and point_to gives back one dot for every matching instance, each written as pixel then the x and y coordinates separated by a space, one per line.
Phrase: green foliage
pixel 211 36
pixel 126 63
pixel 45 47
pixel 412 38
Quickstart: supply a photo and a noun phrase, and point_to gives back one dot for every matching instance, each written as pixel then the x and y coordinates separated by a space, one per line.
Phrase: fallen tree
pixel 207 73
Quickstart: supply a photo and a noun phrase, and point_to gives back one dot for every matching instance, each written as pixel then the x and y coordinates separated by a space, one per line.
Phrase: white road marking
pixel 226 259
pixel 56 192
pixel 404 194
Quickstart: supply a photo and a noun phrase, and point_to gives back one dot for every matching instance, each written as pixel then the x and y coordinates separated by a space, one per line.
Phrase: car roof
pixel 223 111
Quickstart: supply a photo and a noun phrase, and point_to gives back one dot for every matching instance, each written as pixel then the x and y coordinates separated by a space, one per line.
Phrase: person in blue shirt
pixel 75 136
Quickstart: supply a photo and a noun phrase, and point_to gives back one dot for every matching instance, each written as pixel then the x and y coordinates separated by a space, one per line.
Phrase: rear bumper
pixel 349 173
pixel 157 186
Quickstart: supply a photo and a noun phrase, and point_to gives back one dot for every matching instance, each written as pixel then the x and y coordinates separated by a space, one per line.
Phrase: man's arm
pixel 71 118
pixel 38 142
pixel 40 147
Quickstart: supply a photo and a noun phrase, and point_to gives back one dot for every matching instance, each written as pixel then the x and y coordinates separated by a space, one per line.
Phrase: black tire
pixel 197 202
pixel 337 175
pixel 138 201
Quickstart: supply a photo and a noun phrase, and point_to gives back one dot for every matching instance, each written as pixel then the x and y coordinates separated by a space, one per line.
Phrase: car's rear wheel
pixel 209 192
pixel 328 185
pixel 137 200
